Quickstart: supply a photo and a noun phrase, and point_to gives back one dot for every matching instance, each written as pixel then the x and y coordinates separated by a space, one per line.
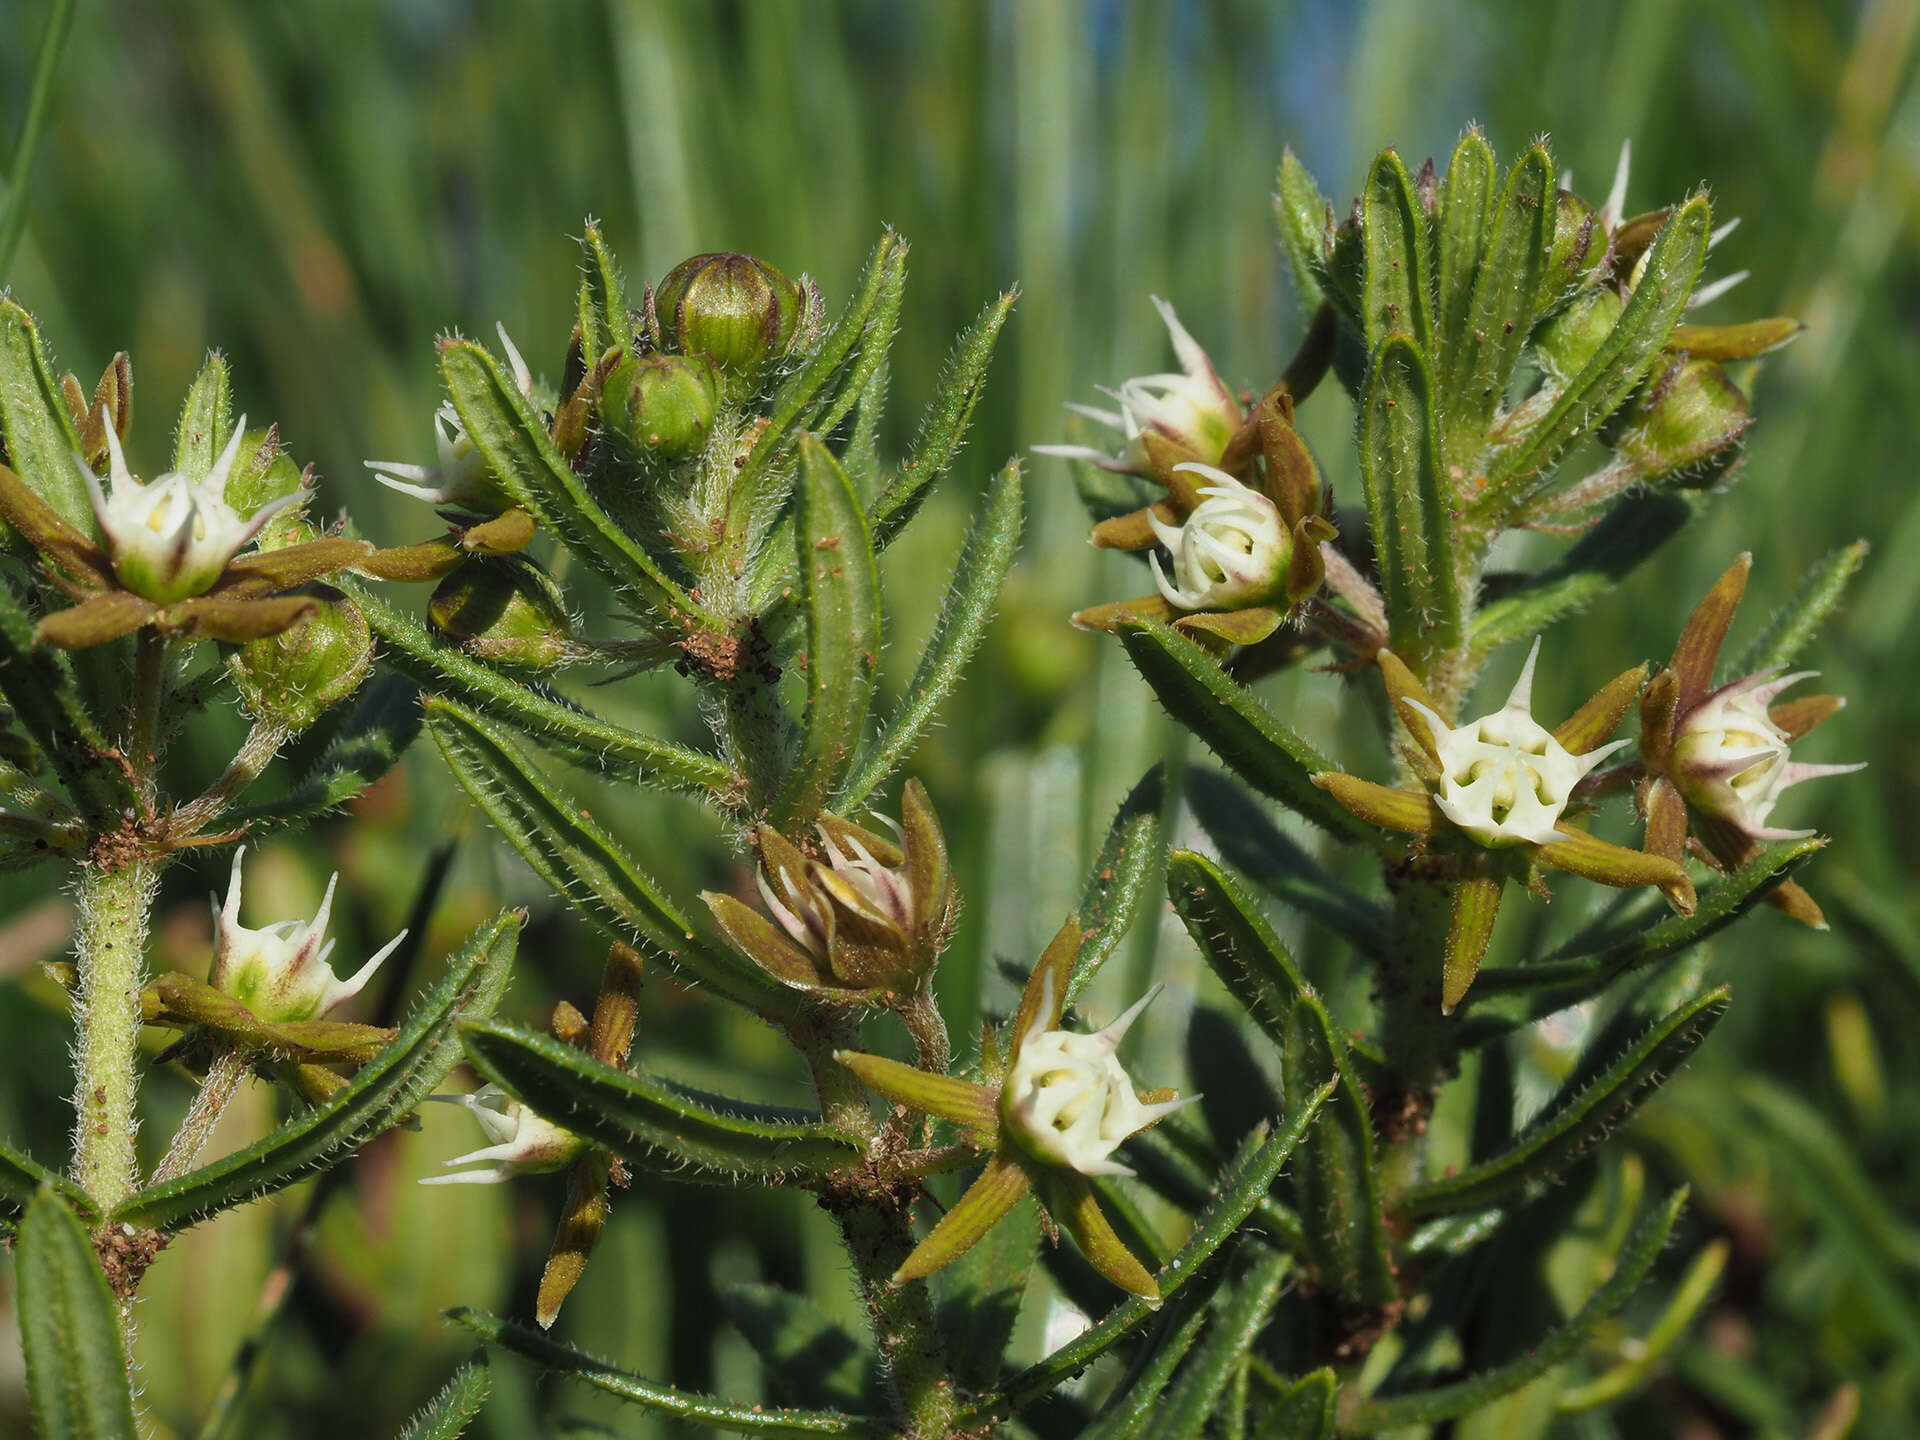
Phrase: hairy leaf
pixel 1236 942
pixel 1138 1392
pixel 69 1330
pixel 22 1177
pixel 1241 1312
pixel 1300 212
pixel 1467 194
pixel 811 1359
pixel 1305 1412
pixel 1409 506
pixel 654 1123
pixel 683 1405
pixel 40 439
pixel 380 1093
pixel 458 1404
pixel 206 419
pixel 1800 619
pixel 38 685
pixel 1121 878
pixel 985 558
pixel 376 733
pixel 1397 281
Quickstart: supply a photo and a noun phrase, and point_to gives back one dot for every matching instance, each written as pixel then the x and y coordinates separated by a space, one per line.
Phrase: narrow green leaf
pixel 1397 280
pixel 1337 1182
pixel 1800 619
pixel 379 1095
pixel 1245 1183
pixel 574 854
pixel 758 491
pixel 1466 202
pixel 867 358
pixel 1696 1287
pixel 985 558
pixel 1625 539
pixel 1237 727
pixel 408 648
pixel 1569 980
pixel 1518 473
pixel 1236 942
pixel 38 685
pixel 1257 848
pixel 458 1405
pixel 1305 1412
pixel 69 1330
pixel 1500 314
pixel 840 590
pixel 812 1361
pixel 206 419
pixel 1430 1407
pixel 1161 1354
pixel 383 722
pixel 1241 1314
pixel 944 426
pixel 510 434
pixel 39 437
pixel 1576 1120
pixel 1179 1165
pixel 1409 506
pixel 1119 881
pixel 1300 211
pixel 655 1123
pixel 22 1177
pixel 609 291
pixel 684 1405
pixel 979 1296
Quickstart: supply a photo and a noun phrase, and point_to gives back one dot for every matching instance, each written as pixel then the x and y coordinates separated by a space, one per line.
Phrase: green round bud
pixel 504 609
pixel 1566 342
pixel 738 311
pixel 663 404
pixel 1689 418
pixel 295 677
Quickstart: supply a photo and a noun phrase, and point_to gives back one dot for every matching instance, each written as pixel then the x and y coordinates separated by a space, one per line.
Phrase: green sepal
pixel 840 591
pixel 1337 1182
pixel 1304 1412
pixel 459 1403
pixel 1301 214
pixel 77 1378
pixel 1258 849
pixel 973 1107
pixel 683 1405
pixel 1476 905
pixel 576 855
pixel 656 1124
pixel 511 436
pixel 408 648
pixel 1506 291
pixel 1796 623
pixel 1003 1182
pixel 1241 1313
pixel 384 721
pixel 978 1297
pixel 1237 727
pixel 1244 1184
pixel 1520 471
pixel 1397 278
pixel 986 556
pixel 379 1095
pixel 944 425
pixel 1569 1127
pixel 1467 196
pixel 1119 881
pixel 40 441
pixel 1409 505
pixel 1430 1407
pixel 810 1359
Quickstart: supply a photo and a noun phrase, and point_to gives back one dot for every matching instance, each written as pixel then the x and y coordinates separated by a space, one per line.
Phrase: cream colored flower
pixel 523 1143
pixel 1231 552
pixel 1731 760
pixel 1504 779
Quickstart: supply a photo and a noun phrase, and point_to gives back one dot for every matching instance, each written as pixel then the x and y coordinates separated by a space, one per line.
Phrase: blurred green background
pixel 318 189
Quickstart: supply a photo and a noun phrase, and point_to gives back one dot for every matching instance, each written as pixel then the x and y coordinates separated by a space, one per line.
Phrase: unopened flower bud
pixel 280 972
pixel 1578 241
pixel 1504 779
pixel 504 609
pixel 739 312
pixel 295 677
pixel 663 404
pixel 1730 759
pixel 523 1143
pixel 1689 418
pixel 1068 1100
pixel 170 539
pixel 1566 341
pixel 1232 551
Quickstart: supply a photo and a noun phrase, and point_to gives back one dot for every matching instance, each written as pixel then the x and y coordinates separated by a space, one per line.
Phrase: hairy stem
pixel 150 660
pixel 115 903
pixel 256 752
pixel 216 1092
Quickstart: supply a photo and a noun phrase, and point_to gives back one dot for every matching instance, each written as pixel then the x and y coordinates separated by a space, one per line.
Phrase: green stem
pixel 230 1066
pixel 14 221
pixel 150 659
pixel 877 1225
pixel 115 905
pixel 1416 1037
